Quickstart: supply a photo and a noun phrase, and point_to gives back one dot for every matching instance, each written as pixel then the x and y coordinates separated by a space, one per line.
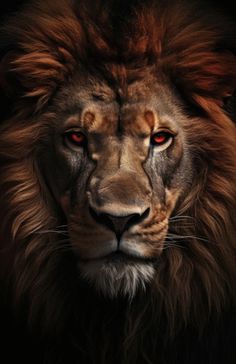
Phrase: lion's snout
pixel 119 224
pixel 119 201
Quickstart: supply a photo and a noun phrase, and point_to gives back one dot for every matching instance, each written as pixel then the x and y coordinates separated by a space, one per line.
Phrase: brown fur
pixel 195 285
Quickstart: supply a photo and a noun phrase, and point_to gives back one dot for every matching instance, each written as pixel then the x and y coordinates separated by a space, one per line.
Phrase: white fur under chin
pixel 117 278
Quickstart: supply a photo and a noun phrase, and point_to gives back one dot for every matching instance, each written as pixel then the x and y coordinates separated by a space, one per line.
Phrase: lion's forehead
pixel 137 111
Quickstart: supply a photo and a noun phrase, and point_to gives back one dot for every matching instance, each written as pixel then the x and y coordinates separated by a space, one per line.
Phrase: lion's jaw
pixel 120 267
pixel 117 275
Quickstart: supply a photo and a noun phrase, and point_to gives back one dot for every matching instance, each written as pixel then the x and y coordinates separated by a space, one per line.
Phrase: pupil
pixel 160 138
pixel 77 137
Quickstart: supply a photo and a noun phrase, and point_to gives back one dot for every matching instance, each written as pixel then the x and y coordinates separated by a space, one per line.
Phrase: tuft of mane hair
pixel 48 315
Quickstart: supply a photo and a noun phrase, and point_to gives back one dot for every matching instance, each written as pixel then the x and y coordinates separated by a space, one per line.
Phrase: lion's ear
pixel 217 76
pixel 206 77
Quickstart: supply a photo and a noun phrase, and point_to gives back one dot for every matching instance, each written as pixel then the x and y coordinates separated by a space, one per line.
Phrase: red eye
pixel 76 137
pixel 161 138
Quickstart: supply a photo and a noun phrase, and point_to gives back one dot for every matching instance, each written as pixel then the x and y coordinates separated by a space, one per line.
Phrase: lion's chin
pixel 115 275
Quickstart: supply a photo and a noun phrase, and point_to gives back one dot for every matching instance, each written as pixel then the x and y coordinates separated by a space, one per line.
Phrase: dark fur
pixel 187 316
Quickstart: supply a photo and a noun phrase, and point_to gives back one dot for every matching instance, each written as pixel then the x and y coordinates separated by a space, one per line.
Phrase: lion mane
pixel 186 315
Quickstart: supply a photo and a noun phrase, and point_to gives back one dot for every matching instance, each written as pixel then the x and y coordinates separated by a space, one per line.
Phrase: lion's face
pixel 117 162
pixel 118 175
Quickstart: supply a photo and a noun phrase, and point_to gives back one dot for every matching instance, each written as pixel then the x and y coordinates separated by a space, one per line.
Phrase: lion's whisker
pixel 172 244
pixel 62 232
pixel 59 241
pixel 175 217
pixel 177 236
pixel 60 245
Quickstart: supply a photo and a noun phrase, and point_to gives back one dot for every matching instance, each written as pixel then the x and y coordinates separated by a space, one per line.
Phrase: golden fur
pixel 196 283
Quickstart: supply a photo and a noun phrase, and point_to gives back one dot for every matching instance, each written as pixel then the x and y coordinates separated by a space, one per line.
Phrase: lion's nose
pixel 119 224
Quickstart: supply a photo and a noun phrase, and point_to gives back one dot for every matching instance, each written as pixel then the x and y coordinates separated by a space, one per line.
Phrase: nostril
pixel 137 218
pixel 119 224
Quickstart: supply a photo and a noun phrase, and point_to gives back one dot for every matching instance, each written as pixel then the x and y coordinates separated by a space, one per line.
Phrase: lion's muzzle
pixel 119 201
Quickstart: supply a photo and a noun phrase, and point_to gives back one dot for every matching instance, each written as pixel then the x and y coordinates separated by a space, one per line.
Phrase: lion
pixel 118 183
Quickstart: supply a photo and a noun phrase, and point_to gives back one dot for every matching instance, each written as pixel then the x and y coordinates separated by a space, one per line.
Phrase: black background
pixel 226 6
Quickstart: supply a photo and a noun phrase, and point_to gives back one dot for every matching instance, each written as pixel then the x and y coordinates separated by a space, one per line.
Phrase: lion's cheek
pixel 91 242
pixel 145 243
pixel 172 196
